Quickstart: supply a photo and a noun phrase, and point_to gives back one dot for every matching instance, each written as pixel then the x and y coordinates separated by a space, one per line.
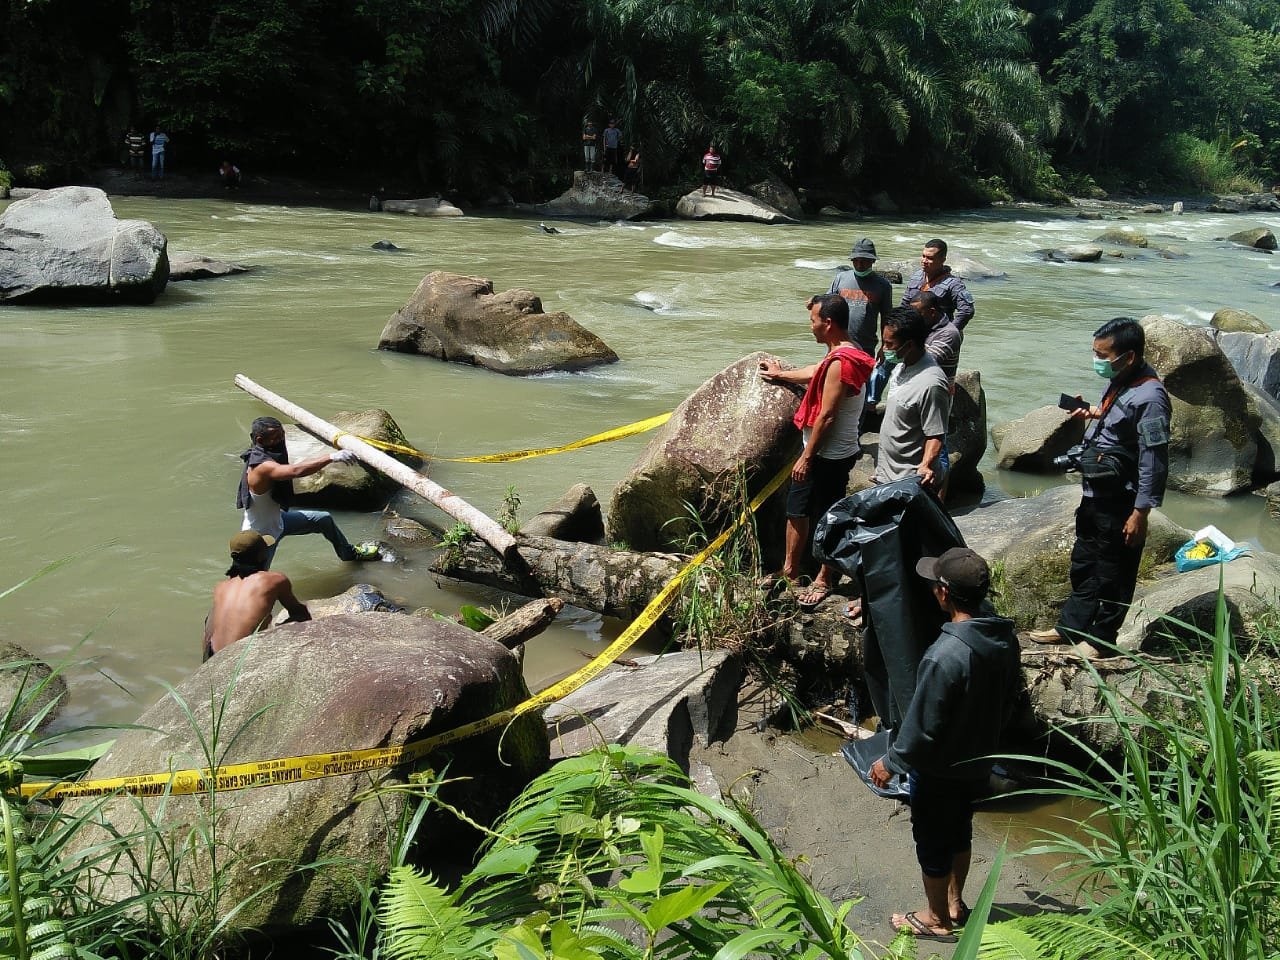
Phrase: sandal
pixel 812 596
pixel 911 923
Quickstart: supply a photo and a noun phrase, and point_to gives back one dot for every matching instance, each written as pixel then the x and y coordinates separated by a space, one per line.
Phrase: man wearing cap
pixel 966 685
pixel 869 295
pixel 242 603
pixel 266 491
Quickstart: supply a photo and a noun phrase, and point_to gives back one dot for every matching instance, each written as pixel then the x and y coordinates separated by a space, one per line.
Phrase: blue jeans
pixel 879 378
pixel 297 522
pixel 157 165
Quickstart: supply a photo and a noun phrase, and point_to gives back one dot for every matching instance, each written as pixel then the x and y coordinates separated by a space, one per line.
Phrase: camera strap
pixel 1109 401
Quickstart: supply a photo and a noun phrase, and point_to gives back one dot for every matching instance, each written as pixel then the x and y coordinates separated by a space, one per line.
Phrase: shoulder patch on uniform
pixel 1154 431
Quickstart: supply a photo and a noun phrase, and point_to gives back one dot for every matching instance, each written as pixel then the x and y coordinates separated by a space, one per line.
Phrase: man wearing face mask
pixel 915 413
pixel 869 295
pixel 1132 420
pixel 266 491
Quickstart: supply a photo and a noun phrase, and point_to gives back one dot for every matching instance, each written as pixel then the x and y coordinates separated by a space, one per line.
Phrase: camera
pixel 1071 459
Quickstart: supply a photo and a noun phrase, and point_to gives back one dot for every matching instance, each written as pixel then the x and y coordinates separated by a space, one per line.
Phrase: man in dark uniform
pixel 1130 445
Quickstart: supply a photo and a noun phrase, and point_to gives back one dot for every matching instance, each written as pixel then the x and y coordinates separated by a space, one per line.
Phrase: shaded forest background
pixel 948 101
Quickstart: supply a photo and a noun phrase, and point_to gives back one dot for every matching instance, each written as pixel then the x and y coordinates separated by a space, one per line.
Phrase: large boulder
pixel 1080 253
pixel 1229 320
pixel 778 195
pixel 1255 357
pixel 599 196
pixel 1213 433
pixel 1259 238
pixel 66 245
pixel 342 683
pixel 1169 611
pixel 734 422
pixel 347 486
pixel 1028 543
pixel 1031 443
pixel 727 205
pixel 424 207
pixel 967 431
pixel 462 320
pixel 194 266
pixel 1122 238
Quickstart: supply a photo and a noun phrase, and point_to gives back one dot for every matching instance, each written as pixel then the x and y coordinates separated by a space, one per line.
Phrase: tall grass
pixel 1188 161
pixel 1178 861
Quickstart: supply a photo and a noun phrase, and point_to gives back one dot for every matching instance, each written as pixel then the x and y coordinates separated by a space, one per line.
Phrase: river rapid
pixel 120 426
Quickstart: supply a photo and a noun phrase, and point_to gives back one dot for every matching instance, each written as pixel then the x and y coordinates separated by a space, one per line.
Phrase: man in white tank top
pixel 268 478
pixel 828 419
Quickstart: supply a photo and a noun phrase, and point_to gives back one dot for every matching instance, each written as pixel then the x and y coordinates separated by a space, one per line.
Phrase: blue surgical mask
pixel 1105 368
pixel 863 273
pixel 892 356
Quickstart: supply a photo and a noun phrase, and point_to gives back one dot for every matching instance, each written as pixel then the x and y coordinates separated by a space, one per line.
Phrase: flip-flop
pixel 922 931
pixel 815 595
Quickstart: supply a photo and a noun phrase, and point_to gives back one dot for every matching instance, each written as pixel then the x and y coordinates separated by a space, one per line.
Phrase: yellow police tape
pixel 617 433
pixel 262 773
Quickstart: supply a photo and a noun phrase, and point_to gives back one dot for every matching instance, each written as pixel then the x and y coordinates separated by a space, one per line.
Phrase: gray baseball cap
pixel 864 249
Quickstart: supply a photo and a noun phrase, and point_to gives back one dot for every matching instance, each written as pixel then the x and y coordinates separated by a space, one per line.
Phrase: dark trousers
pixel 1104 571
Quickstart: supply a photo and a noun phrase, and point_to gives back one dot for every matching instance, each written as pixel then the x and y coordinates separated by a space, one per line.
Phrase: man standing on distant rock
pixel 710 170
pixel 612 147
pixel 919 402
pixel 590 144
pixel 828 419
pixel 964 696
pixel 266 490
pixel 1124 468
pixel 869 295
pixel 242 603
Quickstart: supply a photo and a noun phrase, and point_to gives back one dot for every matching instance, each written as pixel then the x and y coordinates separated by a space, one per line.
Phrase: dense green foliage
pixel 925 100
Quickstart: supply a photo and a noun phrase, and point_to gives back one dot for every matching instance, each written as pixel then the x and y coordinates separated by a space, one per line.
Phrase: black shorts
pixel 828 480
pixel 711 176
pixel 942 820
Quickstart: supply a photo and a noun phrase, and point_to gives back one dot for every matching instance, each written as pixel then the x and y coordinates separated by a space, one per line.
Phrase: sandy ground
pixel 852 843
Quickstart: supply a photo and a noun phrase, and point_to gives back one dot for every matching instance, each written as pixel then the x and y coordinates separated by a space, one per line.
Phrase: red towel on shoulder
pixel 855 369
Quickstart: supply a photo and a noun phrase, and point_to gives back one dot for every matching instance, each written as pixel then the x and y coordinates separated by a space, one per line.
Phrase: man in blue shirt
pixel 1124 466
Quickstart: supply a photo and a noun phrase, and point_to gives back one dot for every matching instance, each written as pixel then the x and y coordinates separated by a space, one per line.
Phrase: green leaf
pixel 521 942
pixel 506 861
pixel 682 904
pixel 577 823
pixel 647 879
pixel 566 945
pixel 475 618
pixel 745 943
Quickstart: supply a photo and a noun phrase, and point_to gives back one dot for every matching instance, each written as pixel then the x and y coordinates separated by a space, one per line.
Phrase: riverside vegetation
pixel 613 855
pixel 951 103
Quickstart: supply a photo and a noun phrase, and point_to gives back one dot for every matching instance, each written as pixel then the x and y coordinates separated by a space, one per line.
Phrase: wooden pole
pixel 484 526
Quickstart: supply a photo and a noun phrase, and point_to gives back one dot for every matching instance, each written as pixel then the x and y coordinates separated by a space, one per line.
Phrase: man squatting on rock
pixel 828 420
pixel 266 490
pixel 242 603
pixel 965 689
pixel 1111 521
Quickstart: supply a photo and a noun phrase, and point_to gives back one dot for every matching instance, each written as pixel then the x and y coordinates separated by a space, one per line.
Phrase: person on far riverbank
pixel 159 144
pixel 1124 468
pixel 590 144
pixel 242 603
pixel 963 700
pixel 828 419
pixel 137 146
pixel 612 147
pixel 710 170
pixel 266 490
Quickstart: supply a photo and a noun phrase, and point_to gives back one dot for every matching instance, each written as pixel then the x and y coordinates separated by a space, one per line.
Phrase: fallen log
pixel 525 623
pixel 484 526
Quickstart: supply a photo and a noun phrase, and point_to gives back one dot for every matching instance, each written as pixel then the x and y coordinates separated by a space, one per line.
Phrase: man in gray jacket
pixel 964 695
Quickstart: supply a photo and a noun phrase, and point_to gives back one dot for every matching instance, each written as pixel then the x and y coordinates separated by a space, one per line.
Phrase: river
pixel 119 427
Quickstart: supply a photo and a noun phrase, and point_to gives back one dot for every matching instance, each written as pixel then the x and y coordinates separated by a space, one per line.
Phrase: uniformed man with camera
pixel 1124 463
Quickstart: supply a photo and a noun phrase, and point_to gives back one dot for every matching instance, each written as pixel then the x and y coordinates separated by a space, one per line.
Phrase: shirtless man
pixel 242 603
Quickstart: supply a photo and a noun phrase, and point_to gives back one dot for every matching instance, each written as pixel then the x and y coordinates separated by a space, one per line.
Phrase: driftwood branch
pixel 525 624
pixel 484 526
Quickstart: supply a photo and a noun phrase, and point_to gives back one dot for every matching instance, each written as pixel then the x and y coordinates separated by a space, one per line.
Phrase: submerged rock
pixel 728 205
pixel 425 207
pixel 347 486
pixel 66 246
pixel 340 683
pixel 194 266
pixel 1122 238
pixel 461 319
